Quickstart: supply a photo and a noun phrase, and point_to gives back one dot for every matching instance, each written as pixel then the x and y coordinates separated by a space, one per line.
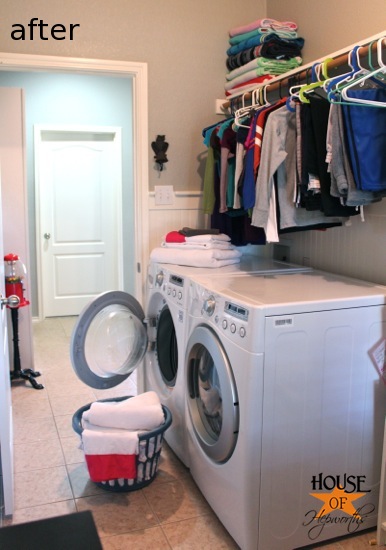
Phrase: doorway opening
pixel 137 249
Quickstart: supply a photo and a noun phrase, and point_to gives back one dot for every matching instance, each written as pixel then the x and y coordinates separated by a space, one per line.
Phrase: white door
pixel 6 433
pixel 78 176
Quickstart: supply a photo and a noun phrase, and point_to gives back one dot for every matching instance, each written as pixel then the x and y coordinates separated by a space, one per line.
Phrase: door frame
pixel 138 73
pixel 78 129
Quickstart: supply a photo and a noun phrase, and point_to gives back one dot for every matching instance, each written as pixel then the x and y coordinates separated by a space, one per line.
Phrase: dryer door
pixel 212 395
pixel 109 340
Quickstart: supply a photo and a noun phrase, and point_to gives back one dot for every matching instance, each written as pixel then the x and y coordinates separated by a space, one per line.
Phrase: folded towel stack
pixel 259 51
pixel 110 434
pixel 196 250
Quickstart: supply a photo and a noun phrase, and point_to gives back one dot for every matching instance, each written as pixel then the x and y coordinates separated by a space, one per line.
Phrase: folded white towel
pixel 221 245
pixel 195 258
pixel 207 238
pixel 103 441
pixel 142 412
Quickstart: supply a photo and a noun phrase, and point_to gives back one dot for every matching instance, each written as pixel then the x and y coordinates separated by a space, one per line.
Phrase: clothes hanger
pixel 293 92
pixel 241 114
pixel 317 68
pixel 359 81
pixel 353 62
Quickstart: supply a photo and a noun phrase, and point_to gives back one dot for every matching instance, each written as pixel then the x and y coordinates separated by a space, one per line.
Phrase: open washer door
pixel 109 340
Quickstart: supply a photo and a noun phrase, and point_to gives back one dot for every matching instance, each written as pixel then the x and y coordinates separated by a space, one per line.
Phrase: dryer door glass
pixel 212 401
pixel 109 340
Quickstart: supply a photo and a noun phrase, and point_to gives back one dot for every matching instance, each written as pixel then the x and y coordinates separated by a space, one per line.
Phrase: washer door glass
pixel 167 347
pixel 109 340
pixel 212 400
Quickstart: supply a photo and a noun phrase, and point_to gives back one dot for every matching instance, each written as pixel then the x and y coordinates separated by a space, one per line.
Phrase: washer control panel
pixel 229 317
pixel 173 287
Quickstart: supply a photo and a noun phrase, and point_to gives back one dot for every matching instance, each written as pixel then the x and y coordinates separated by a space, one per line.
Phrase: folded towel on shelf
pixel 266 22
pixel 142 412
pixel 273 66
pixel 258 71
pixel 259 37
pixel 109 453
pixel 195 258
pixel 248 86
pixel 273 47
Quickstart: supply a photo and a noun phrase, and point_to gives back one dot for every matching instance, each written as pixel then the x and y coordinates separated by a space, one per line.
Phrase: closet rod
pixel 339 58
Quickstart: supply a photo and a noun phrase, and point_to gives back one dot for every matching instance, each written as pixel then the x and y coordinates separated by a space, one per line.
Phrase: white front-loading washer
pixel 167 301
pixel 286 404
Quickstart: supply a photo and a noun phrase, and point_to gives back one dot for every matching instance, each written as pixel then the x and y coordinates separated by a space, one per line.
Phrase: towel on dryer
pixel 195 258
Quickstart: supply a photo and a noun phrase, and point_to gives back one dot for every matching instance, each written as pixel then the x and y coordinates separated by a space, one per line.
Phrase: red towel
pixel 106 467
pixel 174 237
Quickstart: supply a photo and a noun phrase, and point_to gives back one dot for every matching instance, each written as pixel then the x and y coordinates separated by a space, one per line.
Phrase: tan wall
pixel 183 42
pixel 330 25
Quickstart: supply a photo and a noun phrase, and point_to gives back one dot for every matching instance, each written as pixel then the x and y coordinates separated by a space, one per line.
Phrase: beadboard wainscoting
pixel 357 250
pixel 186 211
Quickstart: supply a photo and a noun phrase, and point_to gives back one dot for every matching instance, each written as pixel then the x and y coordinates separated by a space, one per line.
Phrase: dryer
pixel 286 405
pixel 167 302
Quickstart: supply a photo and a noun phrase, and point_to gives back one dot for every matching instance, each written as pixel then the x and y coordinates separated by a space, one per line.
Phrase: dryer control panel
pixel 228 317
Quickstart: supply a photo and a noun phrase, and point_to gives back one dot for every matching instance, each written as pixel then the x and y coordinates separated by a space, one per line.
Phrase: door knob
pixel 12 301
pixel 47 236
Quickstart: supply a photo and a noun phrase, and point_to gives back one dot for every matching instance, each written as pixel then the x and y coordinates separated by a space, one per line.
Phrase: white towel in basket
pixel 110 453
pixel 102 441
pixel 142 412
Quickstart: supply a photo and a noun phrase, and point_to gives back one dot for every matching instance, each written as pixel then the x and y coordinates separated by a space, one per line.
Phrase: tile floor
pixel 51 477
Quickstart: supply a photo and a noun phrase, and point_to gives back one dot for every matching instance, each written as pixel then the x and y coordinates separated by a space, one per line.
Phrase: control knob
pixel 159 278
pixel 209 305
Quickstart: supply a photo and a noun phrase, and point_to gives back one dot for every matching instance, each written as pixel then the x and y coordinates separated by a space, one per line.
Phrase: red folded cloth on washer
pixel 174 237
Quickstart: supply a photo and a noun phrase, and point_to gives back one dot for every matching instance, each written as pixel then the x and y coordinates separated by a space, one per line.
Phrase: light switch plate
pixel 164 194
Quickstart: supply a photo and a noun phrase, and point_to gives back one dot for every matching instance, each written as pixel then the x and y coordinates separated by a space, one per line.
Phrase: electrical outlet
pixel 220 109
pixel 164 194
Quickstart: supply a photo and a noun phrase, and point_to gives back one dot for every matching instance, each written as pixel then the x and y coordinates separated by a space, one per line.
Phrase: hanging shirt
pixel 366 137
pixel 248 190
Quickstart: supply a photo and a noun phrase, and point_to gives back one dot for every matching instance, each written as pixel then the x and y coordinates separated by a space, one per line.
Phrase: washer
pixel 166 317
pixel 284 396
pixel 114 333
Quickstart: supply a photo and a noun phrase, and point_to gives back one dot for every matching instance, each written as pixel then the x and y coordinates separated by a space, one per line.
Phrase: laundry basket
pixel 150 445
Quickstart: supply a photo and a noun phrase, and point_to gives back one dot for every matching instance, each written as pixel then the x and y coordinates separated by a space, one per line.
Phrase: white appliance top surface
pixel 292 291
pixel 249 263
